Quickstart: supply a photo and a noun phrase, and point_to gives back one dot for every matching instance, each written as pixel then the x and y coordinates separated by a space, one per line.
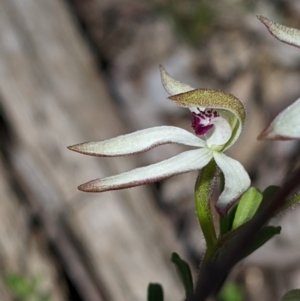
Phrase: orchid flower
pixel 217 120
pixel 286 125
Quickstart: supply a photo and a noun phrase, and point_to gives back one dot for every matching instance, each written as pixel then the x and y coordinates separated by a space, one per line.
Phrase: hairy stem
pixel 203 189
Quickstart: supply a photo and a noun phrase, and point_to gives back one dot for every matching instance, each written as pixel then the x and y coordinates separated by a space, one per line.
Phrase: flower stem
pixel 203 188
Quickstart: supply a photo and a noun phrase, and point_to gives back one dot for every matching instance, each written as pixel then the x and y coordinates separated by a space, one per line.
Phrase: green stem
pixel 203 189
pixel 206 262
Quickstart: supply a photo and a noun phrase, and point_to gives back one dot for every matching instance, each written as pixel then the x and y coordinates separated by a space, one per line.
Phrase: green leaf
pixel 263 235
pixel 268 194
pixel 247 207
pixel 226 222
pixel 293 295
pixel 155 292
pixel 184 273
pixel 259 239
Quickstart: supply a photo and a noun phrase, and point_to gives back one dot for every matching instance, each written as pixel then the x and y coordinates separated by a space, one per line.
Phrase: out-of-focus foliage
pixel 25 289
pixel 155 292
pixel 231 292
pixel 293 295
pixel 192 19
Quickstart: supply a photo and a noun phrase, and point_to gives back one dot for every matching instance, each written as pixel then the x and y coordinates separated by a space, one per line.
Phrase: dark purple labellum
pixel 202 121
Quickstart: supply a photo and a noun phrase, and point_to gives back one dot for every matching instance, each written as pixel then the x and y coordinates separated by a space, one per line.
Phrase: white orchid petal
pixel 219 134
pixel 139 141
pixel 237 181
pixel 182 163
pixel 284 34
pixel 285 126
pixel 171 85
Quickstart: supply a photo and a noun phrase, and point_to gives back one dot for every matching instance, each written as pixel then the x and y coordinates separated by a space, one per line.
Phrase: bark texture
pixel 110 245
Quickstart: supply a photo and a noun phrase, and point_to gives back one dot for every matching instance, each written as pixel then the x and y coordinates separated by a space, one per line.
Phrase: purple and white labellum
pixel 202 121
pixel 210 124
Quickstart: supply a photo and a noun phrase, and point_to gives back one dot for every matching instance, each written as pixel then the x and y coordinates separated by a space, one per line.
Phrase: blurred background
pixel 82 70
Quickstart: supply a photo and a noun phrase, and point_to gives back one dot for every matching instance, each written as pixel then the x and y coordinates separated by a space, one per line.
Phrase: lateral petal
pixel 285 126
pixel 182 163
pixel 171 85
pixel 237 181
pixel 138 142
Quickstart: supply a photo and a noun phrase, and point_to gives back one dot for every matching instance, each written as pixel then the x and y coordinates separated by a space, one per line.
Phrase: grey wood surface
pixel 23 247
pixel 112 244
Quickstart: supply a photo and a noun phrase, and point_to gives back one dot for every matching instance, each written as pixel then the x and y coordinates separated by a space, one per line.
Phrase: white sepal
pixel 182 163
pixel 139 141
pixel 237 181
pixel 284 34
pixel 286 126
pixel 171 85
